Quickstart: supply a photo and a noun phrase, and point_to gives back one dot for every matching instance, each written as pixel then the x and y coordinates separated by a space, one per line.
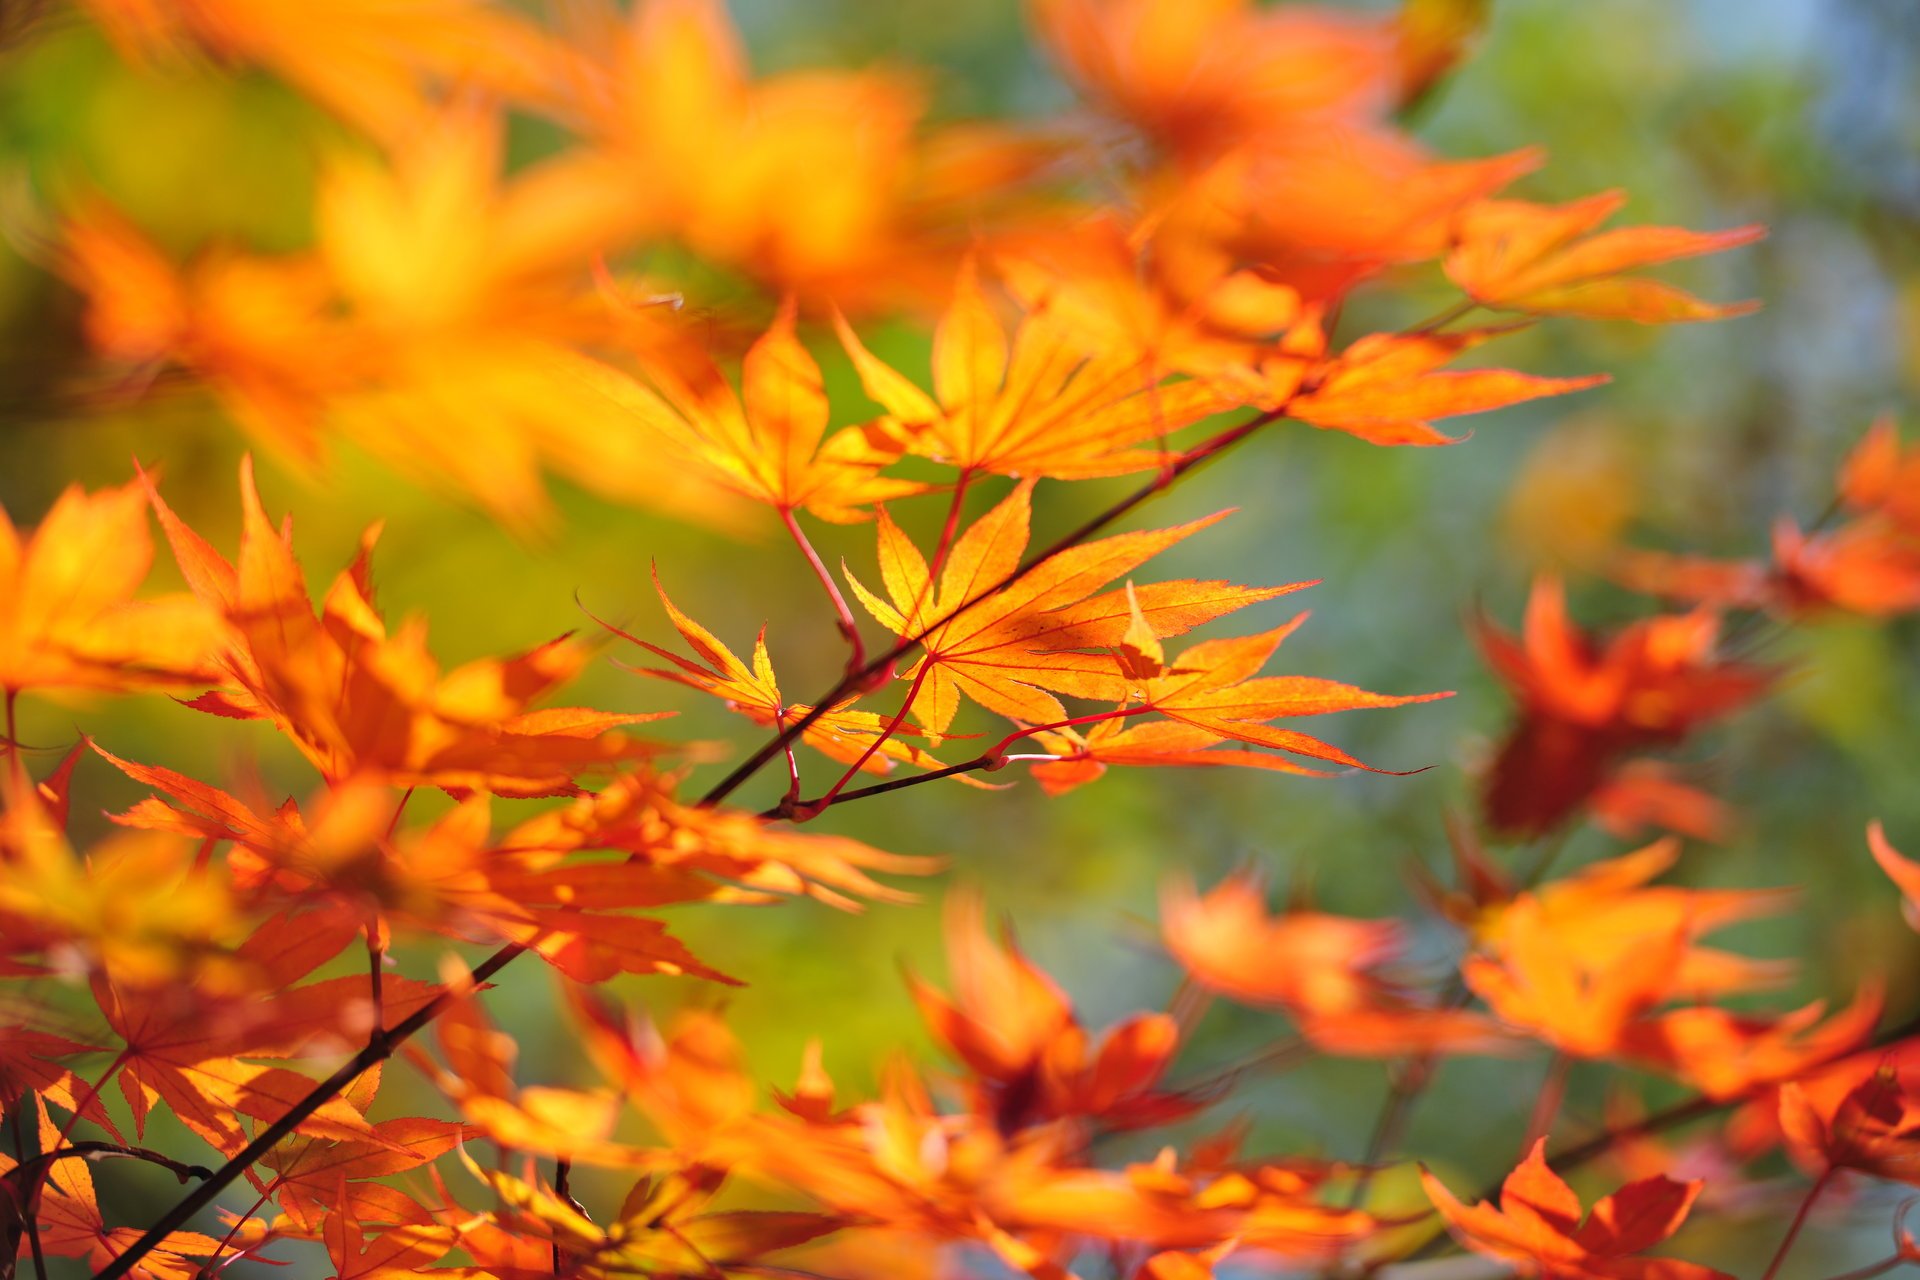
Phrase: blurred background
pixel 1711 113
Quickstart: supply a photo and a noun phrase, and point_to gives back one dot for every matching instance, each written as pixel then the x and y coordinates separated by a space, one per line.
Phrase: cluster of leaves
pixel 1178 259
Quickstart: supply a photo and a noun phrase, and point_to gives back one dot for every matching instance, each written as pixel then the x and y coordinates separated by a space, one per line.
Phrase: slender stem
pixel 14 767
pixel 563 1188
pixel 1799 1221
pixel 1410 1079
pixel 376 984
pixel 240 1222
pixel 378 1050
pixel 950 528
pixel 843 616
pixel 1553 1091
pixel 1201 453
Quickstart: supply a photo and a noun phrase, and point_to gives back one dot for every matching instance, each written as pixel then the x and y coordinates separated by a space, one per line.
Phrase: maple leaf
pixel 1038 405
pixel 68 619
pixel 1385 388
pixel 1030 1060
pixel 840 734
pixel 1873 1127
pixel 638 813
pixel 1215 687
pixel 1579 961
pixel 1528 257
pixel 1726 1055
pixel 1330 973
pixel 356 699
pixel 769 443
pixel 1016 645
pixel 1865 567
pixel 1584 702
pixel 1537 1227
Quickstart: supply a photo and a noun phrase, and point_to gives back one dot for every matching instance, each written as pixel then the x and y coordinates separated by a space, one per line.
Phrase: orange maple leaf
pixel 1386 388
pixel 356 699
pixel 1030 1060
pixel 68 618
pixel 1529 257
pixel 770 443
pixel 1011 647
pixel 1039 405
pixel 1330 973
pixel 1579 961
pixel 1537 1227
pixel 1584 702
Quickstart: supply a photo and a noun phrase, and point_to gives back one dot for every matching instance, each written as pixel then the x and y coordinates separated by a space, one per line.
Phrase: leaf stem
pixel 1799 1221
pixel 843 615
pixel 1553 1091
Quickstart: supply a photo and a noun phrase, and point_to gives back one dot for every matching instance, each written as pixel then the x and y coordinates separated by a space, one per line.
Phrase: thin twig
pixel 843 615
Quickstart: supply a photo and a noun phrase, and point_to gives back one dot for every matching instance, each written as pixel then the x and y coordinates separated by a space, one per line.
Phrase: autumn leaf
pixel 1029 1059
pixel 1011 645
pixel 1386 388
pixel 357 699
pixel 1726 1054
pixel 1035 405
pixel 1537 1226
pixel 68 617
pixel 1332 974
pixel 1529 257
pixel 1584 701
pixel 769 443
